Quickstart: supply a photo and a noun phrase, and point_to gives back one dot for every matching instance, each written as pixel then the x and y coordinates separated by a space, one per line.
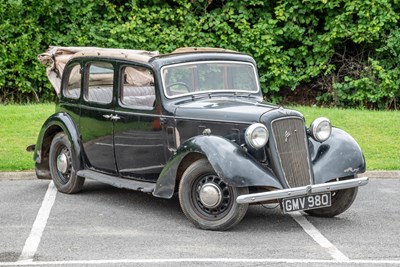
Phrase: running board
pixel 118 181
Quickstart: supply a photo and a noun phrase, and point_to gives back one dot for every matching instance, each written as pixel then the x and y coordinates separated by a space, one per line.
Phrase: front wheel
pixel 62 167
pixel 341 201
pixel 207 201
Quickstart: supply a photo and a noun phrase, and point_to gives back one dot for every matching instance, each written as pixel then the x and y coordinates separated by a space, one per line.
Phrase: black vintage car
pixel 192 122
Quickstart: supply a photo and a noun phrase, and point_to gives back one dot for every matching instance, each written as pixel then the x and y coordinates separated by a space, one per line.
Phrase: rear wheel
pixel 207 201
pixel 341 201
pixel 62 168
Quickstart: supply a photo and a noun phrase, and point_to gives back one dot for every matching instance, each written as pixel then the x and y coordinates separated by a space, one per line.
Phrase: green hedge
pixel 346 51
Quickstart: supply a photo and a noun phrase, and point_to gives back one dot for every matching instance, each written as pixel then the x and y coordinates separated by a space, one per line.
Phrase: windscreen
pixel 209 77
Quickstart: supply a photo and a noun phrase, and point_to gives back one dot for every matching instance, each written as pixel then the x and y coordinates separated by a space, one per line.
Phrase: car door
pixel 138 136
pixel 97 116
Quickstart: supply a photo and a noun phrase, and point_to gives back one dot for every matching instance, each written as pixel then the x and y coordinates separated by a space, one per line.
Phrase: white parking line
pixel 318 237
pixel 199 260
pixel 32 243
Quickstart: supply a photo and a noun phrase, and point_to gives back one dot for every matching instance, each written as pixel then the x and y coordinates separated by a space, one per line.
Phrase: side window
pixel 73 86
pixel 138 90
pixel 100 82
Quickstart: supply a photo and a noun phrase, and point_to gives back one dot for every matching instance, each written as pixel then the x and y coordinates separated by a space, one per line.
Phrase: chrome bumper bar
pixel 301 191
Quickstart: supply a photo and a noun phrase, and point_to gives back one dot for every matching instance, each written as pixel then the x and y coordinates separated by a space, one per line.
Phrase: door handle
pixel 112 117
pixel 115 117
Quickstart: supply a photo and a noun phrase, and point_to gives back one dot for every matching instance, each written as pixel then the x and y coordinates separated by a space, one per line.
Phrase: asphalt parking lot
pixel 106 226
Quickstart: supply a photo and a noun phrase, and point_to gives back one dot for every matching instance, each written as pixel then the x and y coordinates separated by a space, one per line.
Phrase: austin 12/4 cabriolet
pixel 192 122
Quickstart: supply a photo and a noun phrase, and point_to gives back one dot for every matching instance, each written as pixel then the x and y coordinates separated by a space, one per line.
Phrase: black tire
pixel 224 212
pixel 341 201
pixel 62 167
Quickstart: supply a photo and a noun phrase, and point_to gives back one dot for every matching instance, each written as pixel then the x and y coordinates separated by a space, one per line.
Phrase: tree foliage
pixel 347 51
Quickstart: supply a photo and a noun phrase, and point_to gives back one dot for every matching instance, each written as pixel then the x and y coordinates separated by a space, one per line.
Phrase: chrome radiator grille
pixel 291 146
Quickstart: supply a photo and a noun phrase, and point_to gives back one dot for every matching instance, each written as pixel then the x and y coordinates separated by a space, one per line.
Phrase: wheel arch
pixel 232 164
pixel 59 122
pixel 340 156
pixel 186 162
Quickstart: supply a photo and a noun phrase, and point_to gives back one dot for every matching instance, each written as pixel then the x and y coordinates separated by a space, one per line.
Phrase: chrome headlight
pixel 256 135
pixel 321 129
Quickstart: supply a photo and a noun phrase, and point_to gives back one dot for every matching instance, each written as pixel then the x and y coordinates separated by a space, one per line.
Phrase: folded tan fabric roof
pixel 56 57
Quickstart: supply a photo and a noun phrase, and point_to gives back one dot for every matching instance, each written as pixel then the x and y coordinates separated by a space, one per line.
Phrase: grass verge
pixel 19 128
pixel 377 132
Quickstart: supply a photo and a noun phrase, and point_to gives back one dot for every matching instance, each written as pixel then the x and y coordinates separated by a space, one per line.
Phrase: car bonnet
pixel 223 109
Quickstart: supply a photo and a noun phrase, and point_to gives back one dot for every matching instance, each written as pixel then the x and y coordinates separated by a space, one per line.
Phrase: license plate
pixel 307 202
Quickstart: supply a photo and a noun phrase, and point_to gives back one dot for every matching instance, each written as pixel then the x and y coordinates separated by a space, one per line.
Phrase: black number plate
pixel 307 202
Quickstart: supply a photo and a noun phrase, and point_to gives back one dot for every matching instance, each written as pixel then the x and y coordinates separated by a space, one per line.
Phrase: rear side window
pixel 100 82
pixel 73 87
pixel 138 91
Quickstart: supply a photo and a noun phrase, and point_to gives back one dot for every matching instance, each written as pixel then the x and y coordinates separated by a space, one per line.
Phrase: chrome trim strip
pixel 303 190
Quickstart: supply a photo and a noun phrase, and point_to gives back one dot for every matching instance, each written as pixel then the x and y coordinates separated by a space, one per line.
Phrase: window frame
pixel 166 67
pixel 65 86
pixel 86 86
pixel 121 87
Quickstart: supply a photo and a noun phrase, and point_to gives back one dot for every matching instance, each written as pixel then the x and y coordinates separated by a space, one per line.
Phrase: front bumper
pixel 302 191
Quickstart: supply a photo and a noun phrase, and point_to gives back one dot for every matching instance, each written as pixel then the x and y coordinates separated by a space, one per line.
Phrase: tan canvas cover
pixel 56 57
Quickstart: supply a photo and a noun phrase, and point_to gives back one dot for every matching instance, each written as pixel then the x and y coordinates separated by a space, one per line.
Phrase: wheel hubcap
pixel 212 198
pixel 210 195
pixel 62 163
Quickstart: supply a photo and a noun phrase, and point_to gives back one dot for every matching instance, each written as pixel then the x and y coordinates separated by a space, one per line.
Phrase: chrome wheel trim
pixel 210 195
pixel 216 199
pixel 62 163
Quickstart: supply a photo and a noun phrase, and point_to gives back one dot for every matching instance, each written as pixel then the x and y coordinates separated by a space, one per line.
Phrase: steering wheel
pixel 180 84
